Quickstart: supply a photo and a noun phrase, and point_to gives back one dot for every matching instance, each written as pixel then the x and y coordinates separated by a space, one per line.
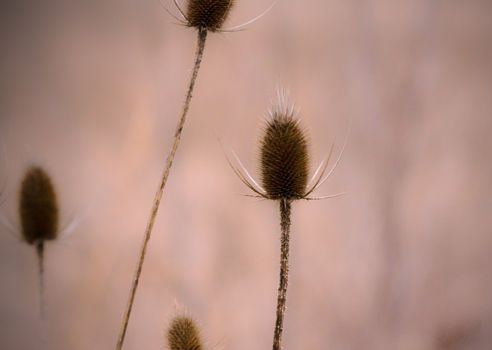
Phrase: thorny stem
pixel 202 36
pixel 40 254
pixel 285 209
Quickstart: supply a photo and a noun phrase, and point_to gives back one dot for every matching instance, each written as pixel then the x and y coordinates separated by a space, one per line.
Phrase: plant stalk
pixel 202 36
pixel 285 210
pixel 40 255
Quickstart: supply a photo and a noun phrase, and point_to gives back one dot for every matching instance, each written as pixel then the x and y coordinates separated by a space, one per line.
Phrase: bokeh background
pixel 91 90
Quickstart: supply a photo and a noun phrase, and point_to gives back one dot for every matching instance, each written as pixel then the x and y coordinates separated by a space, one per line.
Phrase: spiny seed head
pixel 208 14
pixel 38 207
pixel 183 334
pixel 284 157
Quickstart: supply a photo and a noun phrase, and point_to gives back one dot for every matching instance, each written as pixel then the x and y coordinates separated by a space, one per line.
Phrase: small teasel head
pixel 284 156
pixel 38 207
pixel 183 334
pixel 208 14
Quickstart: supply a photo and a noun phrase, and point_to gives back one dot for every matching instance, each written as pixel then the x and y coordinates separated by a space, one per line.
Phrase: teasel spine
pixel 202 37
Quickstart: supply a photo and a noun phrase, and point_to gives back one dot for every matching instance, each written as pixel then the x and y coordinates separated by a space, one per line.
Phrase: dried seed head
pixel 284 158
pixel 183 334
pixel 208 14
pixel 38 207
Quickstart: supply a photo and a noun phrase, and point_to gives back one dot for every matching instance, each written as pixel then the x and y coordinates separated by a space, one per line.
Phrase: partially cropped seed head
pixel 38 208
pixel 284 157
pixel 183 334
pixel 208 14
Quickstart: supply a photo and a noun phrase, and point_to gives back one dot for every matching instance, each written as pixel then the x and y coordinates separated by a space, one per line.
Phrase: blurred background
pixel 91 90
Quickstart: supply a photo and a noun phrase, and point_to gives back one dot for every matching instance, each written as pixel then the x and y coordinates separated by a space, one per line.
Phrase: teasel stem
pixel 202 37
pixel 40 254
pixel 285 210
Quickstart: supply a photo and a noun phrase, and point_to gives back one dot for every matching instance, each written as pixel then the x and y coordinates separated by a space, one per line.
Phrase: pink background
pixel 91 90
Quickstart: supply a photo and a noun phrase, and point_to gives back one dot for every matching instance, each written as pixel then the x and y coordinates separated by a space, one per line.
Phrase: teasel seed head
pixel 38 207
pixel 284 157
pixel 183 334
pixel 208 14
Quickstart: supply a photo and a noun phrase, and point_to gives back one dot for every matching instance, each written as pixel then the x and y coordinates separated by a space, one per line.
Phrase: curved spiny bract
pixel 183 334
pixel 284 158
pixel 208 14
pixel 38 207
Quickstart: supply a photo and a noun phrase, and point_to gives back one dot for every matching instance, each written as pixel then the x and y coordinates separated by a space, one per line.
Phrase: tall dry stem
pixel 202 37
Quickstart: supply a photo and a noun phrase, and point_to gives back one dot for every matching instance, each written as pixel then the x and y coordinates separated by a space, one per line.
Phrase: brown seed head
pixel 284 158
pixel 38 207
pixel 208 14
pixel 183 334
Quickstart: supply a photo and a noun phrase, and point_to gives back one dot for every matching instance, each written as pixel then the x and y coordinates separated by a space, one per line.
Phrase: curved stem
pixel 285 209
pixel 202 36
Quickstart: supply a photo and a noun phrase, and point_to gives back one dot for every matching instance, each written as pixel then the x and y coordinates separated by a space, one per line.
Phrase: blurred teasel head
pixel 208 14
pixel 183 334
pixel 38 207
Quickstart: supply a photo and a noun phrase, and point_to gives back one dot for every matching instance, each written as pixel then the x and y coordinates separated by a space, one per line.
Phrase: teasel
pixel 284 161
pixel 205 16
pixel 183 334
pixel 38 212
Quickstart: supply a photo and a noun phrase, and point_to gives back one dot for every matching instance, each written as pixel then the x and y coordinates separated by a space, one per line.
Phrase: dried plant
pixel 204 16
pixel 38 211
pixel 284 169
pixel 183 334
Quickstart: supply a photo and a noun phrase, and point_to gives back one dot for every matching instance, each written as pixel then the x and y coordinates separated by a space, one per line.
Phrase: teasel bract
pixel 284 174
pixel 183 334
pixel 38 212
pixel 205 16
